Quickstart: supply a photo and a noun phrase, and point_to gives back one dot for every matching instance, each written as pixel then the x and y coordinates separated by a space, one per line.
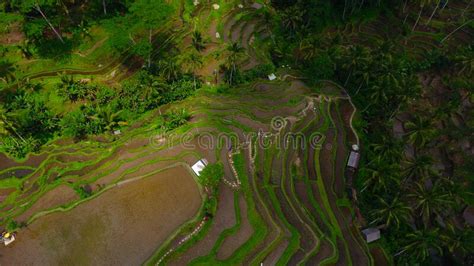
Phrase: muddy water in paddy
pixel 123 226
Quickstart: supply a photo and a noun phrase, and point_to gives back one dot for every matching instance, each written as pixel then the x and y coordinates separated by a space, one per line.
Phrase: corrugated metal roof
pixel 353 159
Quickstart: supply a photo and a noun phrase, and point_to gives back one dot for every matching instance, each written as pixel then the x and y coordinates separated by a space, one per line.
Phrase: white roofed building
pixel 199 166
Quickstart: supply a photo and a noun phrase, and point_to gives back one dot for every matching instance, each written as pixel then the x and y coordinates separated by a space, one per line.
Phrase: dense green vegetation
pixel 86 70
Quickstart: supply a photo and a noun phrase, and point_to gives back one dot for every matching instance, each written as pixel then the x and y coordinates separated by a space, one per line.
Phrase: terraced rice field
pixel 281 200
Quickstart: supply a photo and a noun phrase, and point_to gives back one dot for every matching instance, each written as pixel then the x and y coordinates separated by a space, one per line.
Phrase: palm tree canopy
pixel 429 201
pixel 420 243
pixel 418 167
pixel 379 175
pixel 394 212
pixel 197 41
pixel 420 131
pixel 7 71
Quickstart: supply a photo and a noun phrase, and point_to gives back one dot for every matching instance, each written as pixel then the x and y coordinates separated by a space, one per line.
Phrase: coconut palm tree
pixel 306 50
pixel 464 61
pixel 108 119
pixel 388 148
pixel 176 118
pixel 7 71
pixel 169 69
pixel 420 243
pixel 234 53
pixel 422 4
pixel 292 18
pixel 420 131
pixel 457 240
pixel 394 212
pixel 191 62
pixel 418 167
pixel 456 29
pixel 37 7
pixel 357 58
pixel 430 201
pixel 197 41
pixel 434 11
pixel 379 175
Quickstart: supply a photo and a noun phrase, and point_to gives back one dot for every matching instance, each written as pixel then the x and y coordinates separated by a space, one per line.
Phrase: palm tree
pixel 430 201
pixel 104 7
pixel 456 29
pixel 420 131
pixel 292 18
pixel 379 175
pixel 7 71
pixel 388 148
pixel 394 212
pixel 37 7
pixel 6 126
pixel 466 8
pixel 306 49
pixel 434 11
pixel 422 4
pixel 357 59
pixel 191 62
pixel 169 69
pixel 176 118
pixel 108 118
pixel 420 243
pixel 197 41
pixel 234 53
pixel 464 61
pixel 418 167
pixel 458 240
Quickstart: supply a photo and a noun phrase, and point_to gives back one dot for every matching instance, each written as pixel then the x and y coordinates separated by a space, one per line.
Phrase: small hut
pixel 371 234
pixel 354 157
pixel 199 166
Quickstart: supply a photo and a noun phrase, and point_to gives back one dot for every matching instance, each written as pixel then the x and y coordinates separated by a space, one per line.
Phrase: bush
pixel 74 124
pixel 321 67
pixel 211 175
pixel 176 118
pixel 17 148
pixel 260 71
pixel 75 89
pixel 180 90
pixel 11 226
pixel 84 191
pixel 223 88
